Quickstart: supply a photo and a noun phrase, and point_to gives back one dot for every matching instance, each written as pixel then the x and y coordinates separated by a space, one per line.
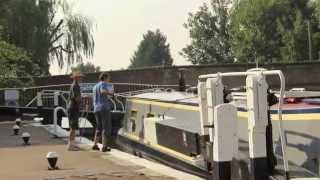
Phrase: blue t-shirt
pixel 100 101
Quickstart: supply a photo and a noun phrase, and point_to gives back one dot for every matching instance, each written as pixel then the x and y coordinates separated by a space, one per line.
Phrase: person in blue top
pixel 102 92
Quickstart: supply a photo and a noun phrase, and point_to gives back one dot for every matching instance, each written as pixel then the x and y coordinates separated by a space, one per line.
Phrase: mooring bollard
pixel 26 138
pixel 16 129
pixel 18 121
pixel 52 158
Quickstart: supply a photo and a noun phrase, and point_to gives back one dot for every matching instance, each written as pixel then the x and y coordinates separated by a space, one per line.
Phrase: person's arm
pixel 105 90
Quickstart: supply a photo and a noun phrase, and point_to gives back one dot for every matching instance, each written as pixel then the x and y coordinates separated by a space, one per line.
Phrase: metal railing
pixel 30 96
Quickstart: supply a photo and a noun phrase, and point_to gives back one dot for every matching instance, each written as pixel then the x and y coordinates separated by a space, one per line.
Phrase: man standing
pixel 102 92
pixel 74 109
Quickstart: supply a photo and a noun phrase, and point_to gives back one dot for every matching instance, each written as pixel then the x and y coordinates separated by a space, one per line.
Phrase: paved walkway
pixel 29 162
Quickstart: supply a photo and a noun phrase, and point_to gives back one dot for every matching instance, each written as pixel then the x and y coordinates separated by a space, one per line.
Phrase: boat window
pixel 150 115
pixel 133 114
pixel 132 120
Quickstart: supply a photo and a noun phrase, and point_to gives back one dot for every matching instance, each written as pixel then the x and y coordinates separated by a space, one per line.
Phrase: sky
pixel 121 24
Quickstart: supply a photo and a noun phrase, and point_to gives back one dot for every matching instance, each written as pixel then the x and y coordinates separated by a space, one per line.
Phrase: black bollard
pixel 26 138
pixel 16 129
pixel 52 158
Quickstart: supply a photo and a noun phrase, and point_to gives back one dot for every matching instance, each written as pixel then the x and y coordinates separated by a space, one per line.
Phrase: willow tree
pixel 86 68
pixel 48 30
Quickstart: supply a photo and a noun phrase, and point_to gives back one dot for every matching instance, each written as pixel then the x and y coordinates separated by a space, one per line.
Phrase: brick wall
pixel 297 75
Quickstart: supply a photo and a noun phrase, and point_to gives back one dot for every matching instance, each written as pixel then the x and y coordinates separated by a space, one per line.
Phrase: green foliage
pixel 272 30
pixel 86 68
pixel 254 31
pixel 27 26
pixel 317 4
pixel 16 68
pixel 210 38
pixel 262 31
pixel 48 31
pixel 153 50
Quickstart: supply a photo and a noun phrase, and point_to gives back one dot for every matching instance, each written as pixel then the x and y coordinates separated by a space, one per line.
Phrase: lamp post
pixel 309 40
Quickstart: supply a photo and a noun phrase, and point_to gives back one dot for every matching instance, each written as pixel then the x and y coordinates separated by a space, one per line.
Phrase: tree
pixel 16 67
pixel 153 50
pixel 86 68
pixel 210 38
pixel 47 30
pixel 261 31
pixel 272 30
pixel 254 33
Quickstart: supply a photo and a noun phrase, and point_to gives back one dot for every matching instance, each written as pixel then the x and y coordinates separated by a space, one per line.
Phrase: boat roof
pixel 171 97
pixel 192 100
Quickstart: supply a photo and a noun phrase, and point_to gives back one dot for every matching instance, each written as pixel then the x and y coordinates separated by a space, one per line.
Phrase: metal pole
pixel 309 40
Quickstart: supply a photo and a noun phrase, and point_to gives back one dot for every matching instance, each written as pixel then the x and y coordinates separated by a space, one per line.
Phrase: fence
pixel 29 96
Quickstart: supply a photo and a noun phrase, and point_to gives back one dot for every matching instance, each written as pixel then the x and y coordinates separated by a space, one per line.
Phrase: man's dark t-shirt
pixel 75 95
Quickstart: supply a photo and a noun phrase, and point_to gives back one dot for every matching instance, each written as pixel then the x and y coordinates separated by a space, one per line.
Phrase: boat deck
pixel 307 106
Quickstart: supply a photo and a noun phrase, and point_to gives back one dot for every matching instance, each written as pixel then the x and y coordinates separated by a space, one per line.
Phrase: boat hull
pixel 143 150
pixel 302 127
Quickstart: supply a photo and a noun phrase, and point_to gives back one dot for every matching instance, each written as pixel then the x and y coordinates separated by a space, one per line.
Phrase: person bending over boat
pixel 74 109
pixel 102 92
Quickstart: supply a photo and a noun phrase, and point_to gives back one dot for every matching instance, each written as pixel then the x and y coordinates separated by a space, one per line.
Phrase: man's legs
pixel 107 129
pixel 98 131
pixel 74 125
pixel 72 136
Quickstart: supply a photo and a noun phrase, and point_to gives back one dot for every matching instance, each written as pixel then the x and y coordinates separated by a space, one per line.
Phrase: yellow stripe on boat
pixel 164 104
pixel 285 117
pixel 160 148
pixel 289 117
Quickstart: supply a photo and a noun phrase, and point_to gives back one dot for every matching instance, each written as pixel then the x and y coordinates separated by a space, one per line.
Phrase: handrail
pixel 55 118
pixel 30 102
pixel 114 104
pixel 59 85
pixel 122 106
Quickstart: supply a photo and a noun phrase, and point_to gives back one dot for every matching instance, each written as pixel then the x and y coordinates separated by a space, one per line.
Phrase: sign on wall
pixel 11 97
pixel 86 87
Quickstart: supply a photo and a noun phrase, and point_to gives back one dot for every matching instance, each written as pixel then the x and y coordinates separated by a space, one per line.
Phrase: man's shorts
pixel 73 115
pixel 104 122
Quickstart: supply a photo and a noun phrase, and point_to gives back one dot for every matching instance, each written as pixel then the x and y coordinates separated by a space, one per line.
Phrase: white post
pixel 39 99
pixel 257 105
pixel 56 98
pixel 225 135
pixel 214 97
pixel 202 96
